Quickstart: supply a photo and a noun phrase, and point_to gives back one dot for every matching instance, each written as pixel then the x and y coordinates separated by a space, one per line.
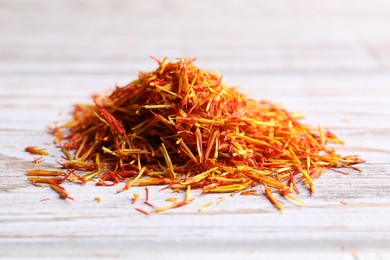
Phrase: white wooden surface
pixel 330 59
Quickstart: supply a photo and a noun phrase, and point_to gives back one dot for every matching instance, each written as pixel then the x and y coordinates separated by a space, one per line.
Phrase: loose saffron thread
pixel 142 211
pixel 185 128
pixel 147 199
pixel 220 200
pixel 249 192
pixel 135 198
pixel 36 150
pixel 38 160
pixel 205 206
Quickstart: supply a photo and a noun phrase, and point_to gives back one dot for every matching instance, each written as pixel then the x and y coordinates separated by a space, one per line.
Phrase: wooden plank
pixel 355 206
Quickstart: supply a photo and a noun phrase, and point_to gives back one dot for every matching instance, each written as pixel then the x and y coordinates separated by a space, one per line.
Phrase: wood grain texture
pixel 330 59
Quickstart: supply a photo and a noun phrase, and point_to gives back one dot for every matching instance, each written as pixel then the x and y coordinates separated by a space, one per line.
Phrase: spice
pixel 36 150
pixel 221 199
pixel 205 206
pixel 186 201
pixel 249 192
pixel 60 190
pixel 147 199
pixel 272 199
pixel 38 160
pixel 142 211
pixel 135 198
pixel 183 127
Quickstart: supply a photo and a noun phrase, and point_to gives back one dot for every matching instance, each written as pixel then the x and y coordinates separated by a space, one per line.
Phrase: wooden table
pixel 328 59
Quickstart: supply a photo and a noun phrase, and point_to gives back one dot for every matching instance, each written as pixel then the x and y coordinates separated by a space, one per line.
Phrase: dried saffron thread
pixel 185 128
pixel 36 150
pixel 147 199
pixel 38 160
pixel 202 207
pixel 221 199
pixel 142 211
pixel 135 198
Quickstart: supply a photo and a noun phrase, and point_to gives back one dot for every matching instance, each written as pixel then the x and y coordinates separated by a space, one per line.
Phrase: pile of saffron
pixel 183 127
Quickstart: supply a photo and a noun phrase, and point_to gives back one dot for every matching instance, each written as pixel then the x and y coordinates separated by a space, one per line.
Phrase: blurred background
pixel 236 37
pixel 301 53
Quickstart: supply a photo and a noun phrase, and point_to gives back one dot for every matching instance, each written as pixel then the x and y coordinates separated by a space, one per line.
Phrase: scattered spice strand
pixel 186 201
pixel 205 206
pixel 38 160
pixel 135 198
pixel 36 150
pixel 185 128
pixel 142 211
pixel 147 199
pixel 61 191
pixel 249 192
pixel 221 199
pixel 272 199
